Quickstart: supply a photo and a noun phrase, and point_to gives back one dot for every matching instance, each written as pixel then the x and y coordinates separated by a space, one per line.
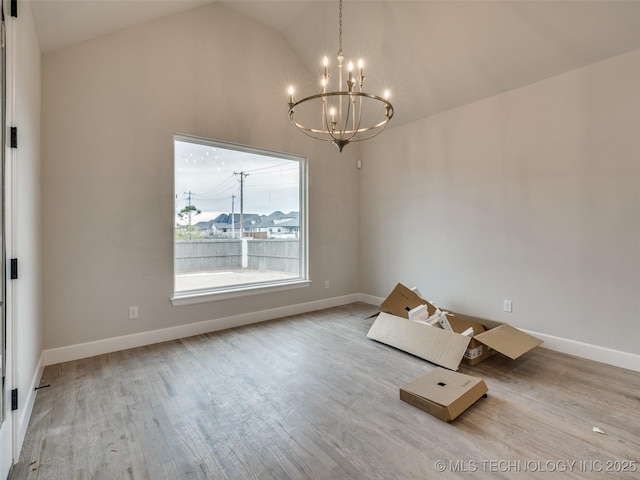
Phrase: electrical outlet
pixel 326 284
pixel 133 312
pixel 507 306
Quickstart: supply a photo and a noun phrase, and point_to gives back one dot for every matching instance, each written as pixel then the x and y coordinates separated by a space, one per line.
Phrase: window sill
pixel 193 297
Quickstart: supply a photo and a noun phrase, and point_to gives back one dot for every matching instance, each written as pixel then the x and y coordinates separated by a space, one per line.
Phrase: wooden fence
pixel 279 255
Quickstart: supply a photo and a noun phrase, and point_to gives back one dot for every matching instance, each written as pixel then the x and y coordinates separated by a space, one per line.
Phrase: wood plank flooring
pixel 310 397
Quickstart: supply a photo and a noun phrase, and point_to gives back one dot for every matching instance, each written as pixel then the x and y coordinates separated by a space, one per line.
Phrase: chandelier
pixel 346 114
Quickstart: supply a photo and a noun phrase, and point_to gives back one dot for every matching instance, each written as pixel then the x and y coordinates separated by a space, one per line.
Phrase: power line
pixel 223 184
pixel 264 168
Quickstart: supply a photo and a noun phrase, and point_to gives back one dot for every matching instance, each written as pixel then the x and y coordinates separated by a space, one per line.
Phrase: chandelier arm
pixel 372 127
pixel 310 131
pixel 351 133
pixel 345 124
pixel 356 130
pixel 343 94
pixel 381 127
pixel 372 136
pixel 325 116
pixel 352 99
pixel 306 131
pixel 328 130
pixel 359 130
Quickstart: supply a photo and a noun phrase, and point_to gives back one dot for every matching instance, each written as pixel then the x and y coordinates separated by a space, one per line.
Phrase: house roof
pixel 253 220
pixel 204 225
pixel 279 219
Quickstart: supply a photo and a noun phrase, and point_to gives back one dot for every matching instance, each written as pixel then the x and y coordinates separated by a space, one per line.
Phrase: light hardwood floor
pixel 311 397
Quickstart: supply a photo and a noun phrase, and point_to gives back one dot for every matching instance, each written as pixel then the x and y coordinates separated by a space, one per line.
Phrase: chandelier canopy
pixel 346 114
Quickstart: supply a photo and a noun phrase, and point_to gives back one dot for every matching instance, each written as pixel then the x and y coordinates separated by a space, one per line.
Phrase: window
pixel 240 220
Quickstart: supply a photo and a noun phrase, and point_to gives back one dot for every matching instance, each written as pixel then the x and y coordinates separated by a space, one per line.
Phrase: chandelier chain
pixel 340 30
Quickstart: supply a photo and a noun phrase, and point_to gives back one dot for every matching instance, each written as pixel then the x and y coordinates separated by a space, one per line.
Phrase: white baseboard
pixel 52 356
pixel 370 299
pixel 617 358
pixel 114 344
pixel 25 414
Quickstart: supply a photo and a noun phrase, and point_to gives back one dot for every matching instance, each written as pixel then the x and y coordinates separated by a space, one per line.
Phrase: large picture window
pixel 240 220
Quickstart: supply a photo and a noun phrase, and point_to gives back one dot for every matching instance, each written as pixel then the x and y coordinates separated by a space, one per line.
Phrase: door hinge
pixel 14 137
pixel 14 399
pixel 14 8
pixel 14 269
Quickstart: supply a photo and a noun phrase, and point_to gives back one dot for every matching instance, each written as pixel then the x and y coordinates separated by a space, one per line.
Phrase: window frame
pixel 188 297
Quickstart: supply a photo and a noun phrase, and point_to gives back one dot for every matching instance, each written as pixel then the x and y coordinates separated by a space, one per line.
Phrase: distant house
pixel 281 225
pixel 228 225
pixel 275 225
pixel 225 224
pixel 208 229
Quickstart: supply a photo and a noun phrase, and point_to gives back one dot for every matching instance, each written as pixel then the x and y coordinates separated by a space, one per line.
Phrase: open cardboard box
pixel 443 347
pixel 443 393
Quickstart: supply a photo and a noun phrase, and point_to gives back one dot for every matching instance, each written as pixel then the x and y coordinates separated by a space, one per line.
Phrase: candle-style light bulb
pixel 350 81
pixel 325 75
pixel 361 76
pixel 291 94
pixel 387 108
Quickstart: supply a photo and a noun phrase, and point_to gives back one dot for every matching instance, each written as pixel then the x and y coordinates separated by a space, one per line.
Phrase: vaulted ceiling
pixel 432 55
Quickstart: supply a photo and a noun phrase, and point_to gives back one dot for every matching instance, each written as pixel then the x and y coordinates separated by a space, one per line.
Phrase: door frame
pixel 8 428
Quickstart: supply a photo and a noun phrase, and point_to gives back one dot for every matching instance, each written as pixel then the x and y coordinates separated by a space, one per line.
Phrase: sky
pixel 211 175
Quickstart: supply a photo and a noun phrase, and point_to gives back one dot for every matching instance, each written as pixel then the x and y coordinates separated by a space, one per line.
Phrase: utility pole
pixel 242 177
pixel 189 194
pixel 233 216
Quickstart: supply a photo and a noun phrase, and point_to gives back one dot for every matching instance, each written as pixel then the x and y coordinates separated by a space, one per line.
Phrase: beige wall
pixel 110 108
pixel 531 196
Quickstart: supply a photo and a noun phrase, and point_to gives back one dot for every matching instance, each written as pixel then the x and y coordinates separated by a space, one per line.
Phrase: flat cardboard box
pixel 433 344
pixel 497 338
pixel 442 347
pixel 443 393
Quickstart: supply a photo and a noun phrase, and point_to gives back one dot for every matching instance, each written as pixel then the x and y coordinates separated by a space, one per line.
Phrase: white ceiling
pixel 432 55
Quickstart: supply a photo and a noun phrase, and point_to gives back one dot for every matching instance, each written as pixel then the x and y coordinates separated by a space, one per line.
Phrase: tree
pixel 188 212
pixel 188 231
